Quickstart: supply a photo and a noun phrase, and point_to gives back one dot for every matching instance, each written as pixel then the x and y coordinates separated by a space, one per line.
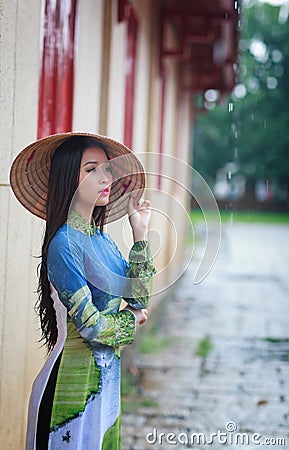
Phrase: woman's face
pixel 95 178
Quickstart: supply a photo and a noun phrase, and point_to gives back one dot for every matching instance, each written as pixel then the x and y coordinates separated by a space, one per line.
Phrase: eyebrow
pixel 95 162
pixel 90 162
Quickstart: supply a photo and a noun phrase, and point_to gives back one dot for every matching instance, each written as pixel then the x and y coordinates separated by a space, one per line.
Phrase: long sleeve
pixel 66 273
pixel 140 275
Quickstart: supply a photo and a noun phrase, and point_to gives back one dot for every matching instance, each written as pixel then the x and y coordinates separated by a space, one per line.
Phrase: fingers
pixel 140 204
pixel 144 317
pixel 132 204
pixel 141 314
pixel 145 204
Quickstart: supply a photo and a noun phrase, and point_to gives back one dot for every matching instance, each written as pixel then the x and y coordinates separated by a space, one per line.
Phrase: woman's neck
pixel 85 213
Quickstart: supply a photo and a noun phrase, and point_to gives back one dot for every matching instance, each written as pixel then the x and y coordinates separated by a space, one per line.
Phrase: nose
pixel 104 175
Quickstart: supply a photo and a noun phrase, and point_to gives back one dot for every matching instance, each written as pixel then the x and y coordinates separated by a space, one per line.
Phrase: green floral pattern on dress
pixel 140 274
pixel 113 329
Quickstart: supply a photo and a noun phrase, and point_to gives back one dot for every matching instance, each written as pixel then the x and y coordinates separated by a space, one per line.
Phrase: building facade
pixel 126 69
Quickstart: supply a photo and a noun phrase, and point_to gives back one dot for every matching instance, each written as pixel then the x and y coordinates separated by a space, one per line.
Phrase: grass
pixel 132 399
pixel 131 390
pixel 196 216
pixel 204 347
pixel 134 402
pixel 128 384
pixel 153 342
pixel 275 340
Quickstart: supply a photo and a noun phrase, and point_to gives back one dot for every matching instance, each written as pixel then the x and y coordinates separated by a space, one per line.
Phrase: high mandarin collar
pixel 78 222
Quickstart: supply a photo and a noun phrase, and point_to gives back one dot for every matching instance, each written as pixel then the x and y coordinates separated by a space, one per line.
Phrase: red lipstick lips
pixel 105 192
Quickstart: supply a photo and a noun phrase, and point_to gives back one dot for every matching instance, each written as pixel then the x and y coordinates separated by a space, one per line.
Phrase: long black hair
pixel 62 184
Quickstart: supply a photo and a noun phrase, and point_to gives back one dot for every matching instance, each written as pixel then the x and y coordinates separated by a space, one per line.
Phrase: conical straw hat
pixel 29 174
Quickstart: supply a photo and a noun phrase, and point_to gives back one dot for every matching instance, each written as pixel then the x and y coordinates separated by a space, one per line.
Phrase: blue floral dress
pixel 89 277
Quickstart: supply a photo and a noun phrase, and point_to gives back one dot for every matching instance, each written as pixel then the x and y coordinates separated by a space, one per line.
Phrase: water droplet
pixel 231 217
pixel 236 5
pixel 265 123
pixel 229 175
pixel 267 185
pixel 236 152
pixel 230 107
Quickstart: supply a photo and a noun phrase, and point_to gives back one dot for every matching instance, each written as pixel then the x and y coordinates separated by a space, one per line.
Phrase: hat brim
pixel 29 174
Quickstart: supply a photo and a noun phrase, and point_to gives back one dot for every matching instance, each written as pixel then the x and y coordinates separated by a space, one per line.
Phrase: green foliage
pixel 204 347
pixel 255 134
pixel 196 217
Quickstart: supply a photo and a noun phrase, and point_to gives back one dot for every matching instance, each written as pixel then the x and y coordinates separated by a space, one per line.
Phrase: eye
pixel 91 170
pixel 107 168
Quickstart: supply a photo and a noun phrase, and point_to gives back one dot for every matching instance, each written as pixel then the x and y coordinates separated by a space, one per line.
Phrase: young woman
pixel 78 182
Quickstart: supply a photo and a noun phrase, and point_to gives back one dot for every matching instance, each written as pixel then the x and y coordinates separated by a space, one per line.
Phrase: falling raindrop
pixel 229 175
pixel 265 124
pixel 236 153
pixel 231 217
pixel 230 107
pixel 267 185
pixel 236 5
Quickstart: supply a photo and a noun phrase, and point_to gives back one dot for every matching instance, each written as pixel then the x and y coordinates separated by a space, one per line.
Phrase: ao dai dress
pixel 78 391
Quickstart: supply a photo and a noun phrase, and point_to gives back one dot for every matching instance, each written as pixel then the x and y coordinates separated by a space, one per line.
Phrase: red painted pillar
pixel 55 104
pixel 126 13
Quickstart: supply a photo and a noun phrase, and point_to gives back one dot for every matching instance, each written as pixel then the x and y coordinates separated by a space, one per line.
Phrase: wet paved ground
pixel 242 309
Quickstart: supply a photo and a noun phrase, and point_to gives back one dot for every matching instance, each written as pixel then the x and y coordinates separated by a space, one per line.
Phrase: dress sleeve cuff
pixel 140 252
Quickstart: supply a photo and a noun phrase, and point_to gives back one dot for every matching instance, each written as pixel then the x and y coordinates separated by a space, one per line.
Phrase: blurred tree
pixel 252 129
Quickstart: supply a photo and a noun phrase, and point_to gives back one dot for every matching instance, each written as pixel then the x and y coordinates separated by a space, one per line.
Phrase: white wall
pixel 87 67
pixel 116 91
pixel 20 357
pixel 142 82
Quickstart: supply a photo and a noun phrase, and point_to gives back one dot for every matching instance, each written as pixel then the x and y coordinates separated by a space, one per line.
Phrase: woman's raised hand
pixel 141 314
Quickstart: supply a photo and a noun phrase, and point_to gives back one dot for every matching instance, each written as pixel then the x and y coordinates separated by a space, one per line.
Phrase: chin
pixel 103 202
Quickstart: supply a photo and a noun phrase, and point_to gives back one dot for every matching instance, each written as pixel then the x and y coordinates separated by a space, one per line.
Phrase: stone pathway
pixel 241 383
